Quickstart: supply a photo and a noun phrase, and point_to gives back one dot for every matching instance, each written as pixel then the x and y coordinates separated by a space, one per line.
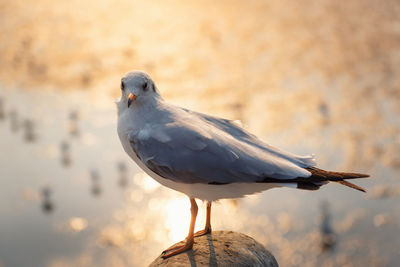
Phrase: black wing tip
pixel 217 183
pixel 307 186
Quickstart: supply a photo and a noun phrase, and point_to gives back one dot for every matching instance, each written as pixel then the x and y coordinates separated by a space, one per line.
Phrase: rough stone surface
pixel 222 248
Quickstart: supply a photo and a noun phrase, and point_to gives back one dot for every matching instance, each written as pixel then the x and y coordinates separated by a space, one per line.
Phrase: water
pixel 71 197
pixel 57 214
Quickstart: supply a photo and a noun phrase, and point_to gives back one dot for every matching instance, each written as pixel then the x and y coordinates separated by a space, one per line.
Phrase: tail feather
pixel 335 176
pixel 318 178
pixel 339 177
pixel 351 185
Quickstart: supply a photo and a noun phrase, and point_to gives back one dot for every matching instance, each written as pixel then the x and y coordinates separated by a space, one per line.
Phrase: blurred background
pixel 307 76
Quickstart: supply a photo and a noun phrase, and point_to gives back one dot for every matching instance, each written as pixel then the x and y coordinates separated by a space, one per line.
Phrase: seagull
pixel 206 157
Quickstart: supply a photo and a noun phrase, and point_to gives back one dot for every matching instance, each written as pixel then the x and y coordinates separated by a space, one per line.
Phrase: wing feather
pixel 196 148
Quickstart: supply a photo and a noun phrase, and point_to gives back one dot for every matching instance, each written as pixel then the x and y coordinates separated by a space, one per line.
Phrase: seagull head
pixel 137 88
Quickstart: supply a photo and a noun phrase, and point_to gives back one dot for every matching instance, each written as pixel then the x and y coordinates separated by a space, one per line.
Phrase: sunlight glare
pixel 146 182
pixel 77 224
pixel 178 218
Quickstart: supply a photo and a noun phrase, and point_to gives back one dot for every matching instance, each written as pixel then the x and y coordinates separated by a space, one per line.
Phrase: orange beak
pixel 131 99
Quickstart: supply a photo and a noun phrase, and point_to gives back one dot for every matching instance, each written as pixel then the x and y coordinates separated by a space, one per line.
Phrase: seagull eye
pixel 144 86
pixel 122 86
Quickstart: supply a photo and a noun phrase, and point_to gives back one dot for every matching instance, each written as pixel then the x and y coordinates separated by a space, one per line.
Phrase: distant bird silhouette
pixel 29 133
pixel 2 109
pixel 324 112
pixel 47 205
pixel 14 123
pixel 328 235
pixel 73 123
pixel 65 154
pixel 95 187
pixel 123 179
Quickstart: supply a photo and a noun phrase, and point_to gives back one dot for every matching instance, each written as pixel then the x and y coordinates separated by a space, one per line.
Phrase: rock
pixel 221 248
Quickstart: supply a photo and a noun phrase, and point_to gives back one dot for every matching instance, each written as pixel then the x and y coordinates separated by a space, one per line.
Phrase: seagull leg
pixel 189 239
pixel 207 228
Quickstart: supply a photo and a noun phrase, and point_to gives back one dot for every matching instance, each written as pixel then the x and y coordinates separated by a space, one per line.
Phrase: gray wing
pixel 200 149
pixel 238 132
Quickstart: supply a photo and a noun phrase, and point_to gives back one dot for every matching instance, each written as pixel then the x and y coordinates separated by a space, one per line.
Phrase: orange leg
pixel 189 239
pixel 207 228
